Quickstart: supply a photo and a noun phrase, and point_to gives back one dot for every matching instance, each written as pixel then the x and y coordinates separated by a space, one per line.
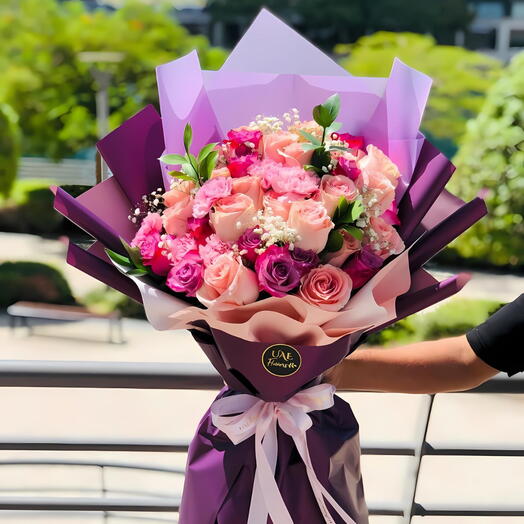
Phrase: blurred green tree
pixel 327 23
pixel 9 148
pixel 460 77
pixel 53 92
pixel 492 157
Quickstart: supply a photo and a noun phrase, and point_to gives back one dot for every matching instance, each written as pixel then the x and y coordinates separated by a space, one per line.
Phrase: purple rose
pixel 249 241
pixel 186 276
pixel 276 271
pixel 305 260
pixel 362 266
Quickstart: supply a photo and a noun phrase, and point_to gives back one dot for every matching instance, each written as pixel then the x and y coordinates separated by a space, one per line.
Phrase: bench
pixel 23 311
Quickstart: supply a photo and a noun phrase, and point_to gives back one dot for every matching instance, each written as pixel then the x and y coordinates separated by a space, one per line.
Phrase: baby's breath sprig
pixel 151 203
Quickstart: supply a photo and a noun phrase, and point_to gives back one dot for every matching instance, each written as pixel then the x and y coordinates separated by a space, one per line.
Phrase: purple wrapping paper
pixel 225 472
pixel 259 78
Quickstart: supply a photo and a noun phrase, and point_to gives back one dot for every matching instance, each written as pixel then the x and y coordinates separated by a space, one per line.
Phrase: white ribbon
pixel 241 416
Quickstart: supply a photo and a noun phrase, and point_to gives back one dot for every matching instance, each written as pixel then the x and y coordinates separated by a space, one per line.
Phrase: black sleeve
pixel 499 341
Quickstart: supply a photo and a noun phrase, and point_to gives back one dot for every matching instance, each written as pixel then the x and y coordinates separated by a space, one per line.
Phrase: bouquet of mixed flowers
pixel 281 216
pixel 278 207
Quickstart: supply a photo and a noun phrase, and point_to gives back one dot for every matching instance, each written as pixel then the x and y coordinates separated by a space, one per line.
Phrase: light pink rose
pixel 383 238
pixel 312 223
pixel 295 155
pixel 180 192
pixel 250 186
pixel 279 205
pixel 274 143
pixel 327 287
pixel 220 171
pixel 332 187
pixel 378 162
pixel 377 190
pixel 231 216
pixel 228 282
pixel 350 245
pixel 175 216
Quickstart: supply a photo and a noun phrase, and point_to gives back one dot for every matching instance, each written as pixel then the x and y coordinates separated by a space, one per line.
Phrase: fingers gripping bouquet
pixel 290 215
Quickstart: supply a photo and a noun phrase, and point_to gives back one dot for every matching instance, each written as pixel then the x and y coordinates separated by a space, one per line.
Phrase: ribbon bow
pixel 253 416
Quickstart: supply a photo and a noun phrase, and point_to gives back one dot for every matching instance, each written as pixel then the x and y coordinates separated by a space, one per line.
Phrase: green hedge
pixel 33 282
pixel 452 318
pixel 491 158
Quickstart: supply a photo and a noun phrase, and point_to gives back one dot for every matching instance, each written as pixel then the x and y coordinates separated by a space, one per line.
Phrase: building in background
pixel 497 29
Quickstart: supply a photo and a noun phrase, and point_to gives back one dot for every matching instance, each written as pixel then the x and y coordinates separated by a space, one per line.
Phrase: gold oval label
pixel 281 360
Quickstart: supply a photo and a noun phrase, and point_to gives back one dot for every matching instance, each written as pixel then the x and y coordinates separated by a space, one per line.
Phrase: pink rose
pixel 239 166
pixel 279 205
pixel 175 217
pixel 228 282
pixel 250 186
pixel 295 155
pixel 180 192
pixel 383 238
pixel 377 191
pixel 312 223
pixel 274 143
pixel 220 171
pixel 350 245
pixel 391 214
pixel 231 216
pixel 332 187
pixel 327 287
pixel 212 190
pixel 376 161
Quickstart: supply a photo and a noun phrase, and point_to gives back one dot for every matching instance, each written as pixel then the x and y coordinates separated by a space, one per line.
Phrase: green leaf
pixel 309 167
pixel 137 272
pixel 134 254
pixel 334 127
pixel 354 231
pixel 339 148
pixel 308 136
pixel 173 158
pixel 205 151
pixel 119 259
pixel 181 176
pixel 335 241
pixel 326 113
pixel 207 165
pixel 356 210
pixel 341 210
pixel 188 137
pixel 308 146
pixel 189 171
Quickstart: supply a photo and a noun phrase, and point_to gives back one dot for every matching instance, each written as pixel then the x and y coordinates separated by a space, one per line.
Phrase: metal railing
pixel 130 375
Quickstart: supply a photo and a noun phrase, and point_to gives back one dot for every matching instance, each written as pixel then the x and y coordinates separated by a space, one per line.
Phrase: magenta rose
pixel 277 272
pixel 305 260
pixel 238 167
pixel 248 242
pixel 362 266
pixel 187 275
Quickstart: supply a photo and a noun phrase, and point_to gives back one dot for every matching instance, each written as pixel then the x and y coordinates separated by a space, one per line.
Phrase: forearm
pixel 424 367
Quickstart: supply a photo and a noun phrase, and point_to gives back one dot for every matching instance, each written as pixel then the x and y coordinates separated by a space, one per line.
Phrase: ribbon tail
pixel 319 490
pixel 265 477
